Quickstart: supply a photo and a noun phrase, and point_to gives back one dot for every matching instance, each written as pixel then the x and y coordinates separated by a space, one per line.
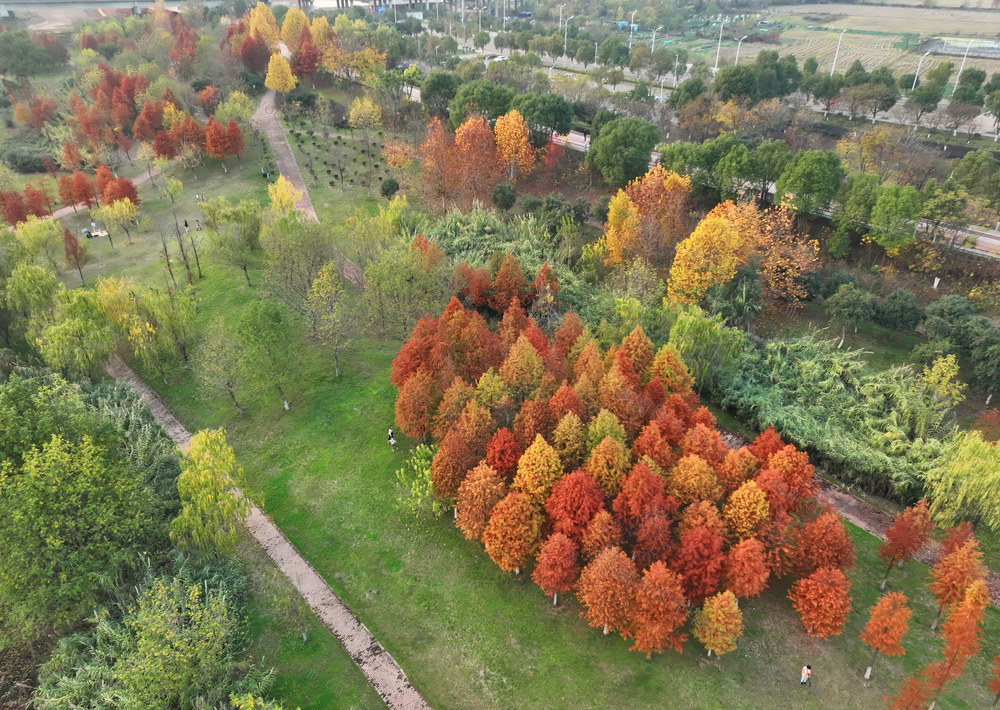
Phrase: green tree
pixel 41 238
pixel 925 99
pixel 20 56
pixel 296 249
pixel 849 305
pixel 264 334
pixel 327 311
pixel 545 114
pixel 480 97
pixel 217 362
pixel 622 150
pixel 966 485
pixel 688 91
pixel 120 214
pixel 401 287
pixel 77 340
pixel 894 217
pixel 73 517
pixel 810 181
pixel 852 210
pixel 437 92
pixel 707 346
pixel 212 505
pixel 737 82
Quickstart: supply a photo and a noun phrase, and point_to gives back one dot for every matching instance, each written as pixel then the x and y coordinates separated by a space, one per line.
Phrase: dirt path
pixel 869 518
pixel 266 119
pixel 379 667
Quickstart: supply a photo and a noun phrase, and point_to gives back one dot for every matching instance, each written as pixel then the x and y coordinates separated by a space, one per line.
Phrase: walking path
pixel 381 669
pixel 266 119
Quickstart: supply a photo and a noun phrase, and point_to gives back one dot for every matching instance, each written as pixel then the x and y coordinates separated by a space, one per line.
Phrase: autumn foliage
pixel 909 533
pixel 558 452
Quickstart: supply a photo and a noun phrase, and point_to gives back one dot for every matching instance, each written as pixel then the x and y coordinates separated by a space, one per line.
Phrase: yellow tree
pixel 283 196
pixel 263 26
pixel 292 27
pixel 321 32
pixel 279 75
pixel 719 245
pixel 663 200
pixel 211 504
pixel 513 145
pixel 398 156
pixel 621 235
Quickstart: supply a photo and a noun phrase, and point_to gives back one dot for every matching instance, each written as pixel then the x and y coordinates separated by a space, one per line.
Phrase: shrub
pixel 389 188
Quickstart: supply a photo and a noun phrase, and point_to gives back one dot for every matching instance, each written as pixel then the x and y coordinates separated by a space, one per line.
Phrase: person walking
pixel 806 678
pixel 390 433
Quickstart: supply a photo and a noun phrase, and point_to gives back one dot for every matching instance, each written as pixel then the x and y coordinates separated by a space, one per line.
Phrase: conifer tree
pixel 887 624
pixel 606 589
pixel 719 623
pixel 556 568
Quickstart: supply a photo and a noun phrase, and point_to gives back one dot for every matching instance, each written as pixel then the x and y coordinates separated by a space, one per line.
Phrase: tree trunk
pixel 80 270
pixel 988 398
pixel 128 233
pixel 247 274
pixel 281 393
pixel 336 362
pixel 709 653
pixel 937 618
pixel 881 586
pixel 843 336
pixel 197 260
pixel 232 396
pixel 555 598
pixel 606 629
pixel 996 700
pixel 868 673
pixel 110 241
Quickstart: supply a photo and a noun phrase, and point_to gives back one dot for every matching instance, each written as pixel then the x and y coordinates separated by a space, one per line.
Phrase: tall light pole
pixel 661 88
pixel 718 50
pixel 738 44
pixel 917 75
pixel 560 13
pixel 837 53
pixel 631 28
pixel 962 68
pixel 677 59
pixel 595 52
pixel 652 42
pixel 480 11
pixel 566 34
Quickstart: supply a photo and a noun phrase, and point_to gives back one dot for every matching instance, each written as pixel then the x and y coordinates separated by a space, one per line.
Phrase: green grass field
pixel 471 636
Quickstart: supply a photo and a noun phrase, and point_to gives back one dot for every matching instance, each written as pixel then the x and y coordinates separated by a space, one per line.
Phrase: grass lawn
pixel 311 673
pixel 469 635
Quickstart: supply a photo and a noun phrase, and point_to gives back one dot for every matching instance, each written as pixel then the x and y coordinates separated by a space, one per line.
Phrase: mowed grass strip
pixel 469 635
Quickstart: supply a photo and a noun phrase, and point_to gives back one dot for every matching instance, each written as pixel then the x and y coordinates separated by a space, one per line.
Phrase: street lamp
pixel 837 53
pixel 737 62
pixel 480 12
pixel 718 50
pixel 652 43
pixel 962 68
pixel 677 59
pixel 595 52
pixel 560 13
pixel 661 88
pixel 566 34
pixel 917 75
pixel 631 28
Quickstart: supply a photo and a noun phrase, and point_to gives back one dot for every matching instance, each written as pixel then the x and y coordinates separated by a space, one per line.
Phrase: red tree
pixel 699 560
pixel 606 589
pixel 574 501
pixel 508 284
pixel 823 542
pixel 306 60
pixel 822 601
pixel 67 191
pixel 164 145
pixel 149 121
pixel 912 696
pixel 502 453
pixel 653 540
pixel 216 140
pixel 75 253
pixel 603 531
pixel 36 202
pixel 766 443
pixel 706 443
pixel 651 443
pixel 565 400
pixel 955 572
pixel 120 189
pixel 642 492
pixel 102 176
pixel 745 571
pixel 234 139
pixel 962 632
pixel 479 493
pixel 437 154
pixel 451 462
pixel 14 209
pixel 988 424
pixel 414 404
pixel 909 533
pixel 512 534
pixel 208 99
pixel 887 624
pixel 254 54
pixel 660 610
pixel 955 537
pixel 995 680
pixel 556 568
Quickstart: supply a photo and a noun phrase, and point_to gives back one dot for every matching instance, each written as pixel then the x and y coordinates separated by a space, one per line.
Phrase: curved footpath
pixel 379 667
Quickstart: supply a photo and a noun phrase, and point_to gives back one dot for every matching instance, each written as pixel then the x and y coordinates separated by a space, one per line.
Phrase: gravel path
pixel 381 669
